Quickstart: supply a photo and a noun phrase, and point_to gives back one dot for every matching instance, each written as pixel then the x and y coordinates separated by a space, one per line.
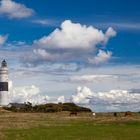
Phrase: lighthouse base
pixel 4 100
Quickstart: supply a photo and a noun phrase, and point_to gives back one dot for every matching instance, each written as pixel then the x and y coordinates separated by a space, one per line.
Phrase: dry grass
pixel 45 125
pixel 27 120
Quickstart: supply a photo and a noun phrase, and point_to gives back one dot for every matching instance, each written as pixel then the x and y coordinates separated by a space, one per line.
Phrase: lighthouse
pixel 3 83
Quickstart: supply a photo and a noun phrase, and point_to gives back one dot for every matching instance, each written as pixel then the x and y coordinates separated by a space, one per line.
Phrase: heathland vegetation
pixel 49 107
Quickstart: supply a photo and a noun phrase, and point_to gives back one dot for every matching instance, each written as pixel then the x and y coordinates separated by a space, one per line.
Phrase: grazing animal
pixel 73 113
pixel 115 114
pixel 94 114
pixel 127 114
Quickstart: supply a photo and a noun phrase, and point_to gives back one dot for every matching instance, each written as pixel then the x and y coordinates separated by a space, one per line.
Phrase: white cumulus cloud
pixel 71 43
pixel 75 36
pixel 26 94
pixel 101 57
pixel 109 33
pixel 31 94
pixel 14 10
pixel 82 95
pixel 61 99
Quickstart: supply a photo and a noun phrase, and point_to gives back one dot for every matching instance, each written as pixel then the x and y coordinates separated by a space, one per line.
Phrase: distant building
pixel 17 105
pixel 3 84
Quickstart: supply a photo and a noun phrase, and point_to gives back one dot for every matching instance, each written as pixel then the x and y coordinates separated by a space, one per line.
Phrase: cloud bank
pixel 91 78
pixel 30 94
pixel 27 94
pixel 113 100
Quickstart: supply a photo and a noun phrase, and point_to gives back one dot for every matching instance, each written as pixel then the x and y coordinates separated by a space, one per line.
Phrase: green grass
pixel 76 132
pixel 33 126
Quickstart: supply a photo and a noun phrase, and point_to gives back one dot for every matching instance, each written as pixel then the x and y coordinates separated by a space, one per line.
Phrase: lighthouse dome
pixel 4 63
pixel 3 68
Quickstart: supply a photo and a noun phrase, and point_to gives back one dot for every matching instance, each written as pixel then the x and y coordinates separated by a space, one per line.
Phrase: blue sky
pixel 44 43
pixel 122 15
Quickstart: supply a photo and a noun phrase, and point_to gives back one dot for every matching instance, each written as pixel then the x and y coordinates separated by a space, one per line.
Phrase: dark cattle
pixel 115 114
pixel 73 113
pixel 127 114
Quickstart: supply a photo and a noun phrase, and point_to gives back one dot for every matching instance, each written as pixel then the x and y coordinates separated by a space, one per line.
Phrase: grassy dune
pixel 59 126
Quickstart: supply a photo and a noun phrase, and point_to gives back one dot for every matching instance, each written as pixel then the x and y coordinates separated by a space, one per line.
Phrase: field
pixel 60 126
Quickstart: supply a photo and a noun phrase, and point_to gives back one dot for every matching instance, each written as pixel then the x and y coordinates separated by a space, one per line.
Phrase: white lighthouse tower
pixel 3 84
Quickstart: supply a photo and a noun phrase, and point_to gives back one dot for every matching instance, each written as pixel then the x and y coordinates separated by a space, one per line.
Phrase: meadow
pixel 60 126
